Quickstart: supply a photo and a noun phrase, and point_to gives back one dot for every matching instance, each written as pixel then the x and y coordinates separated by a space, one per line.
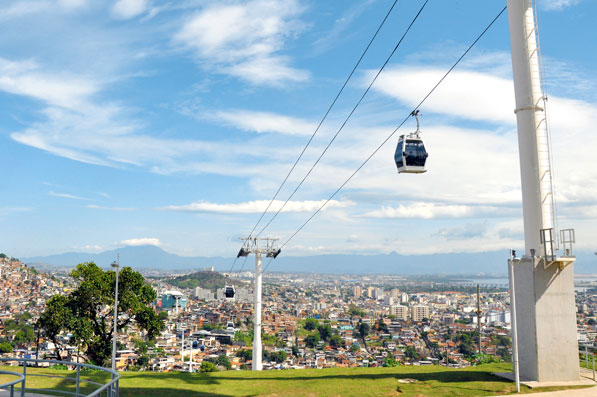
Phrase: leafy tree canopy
pixel 204 279
pixel 5 347
pixel 311 324
pixel 336 341
pixel 88 311
pixel 364 329
pixel 325 331
pixel 312 340
pixel 207 366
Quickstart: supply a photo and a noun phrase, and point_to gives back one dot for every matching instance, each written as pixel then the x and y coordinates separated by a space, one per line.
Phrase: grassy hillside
pixel 207 280
pixel 426 381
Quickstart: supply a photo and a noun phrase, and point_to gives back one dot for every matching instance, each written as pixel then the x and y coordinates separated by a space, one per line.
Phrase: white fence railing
pixel 109 389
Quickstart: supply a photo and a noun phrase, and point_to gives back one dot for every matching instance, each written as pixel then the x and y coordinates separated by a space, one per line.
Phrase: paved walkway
pixel 586 378
pixel 588 392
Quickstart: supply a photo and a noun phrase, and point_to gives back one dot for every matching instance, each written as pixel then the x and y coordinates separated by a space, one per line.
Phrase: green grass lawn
pixel 429 381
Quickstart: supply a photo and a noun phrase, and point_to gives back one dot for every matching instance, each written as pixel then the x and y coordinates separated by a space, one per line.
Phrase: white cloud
pixel 557 5
pixel 92 248
pixel 99 207
pixel 126 9
pixel 263 122
pixel 26 78
pixel 271 70
pixel 142 241
pixel 423 210
pixel 27 7
pixel 258 206
pixel 72 4
pixel 468 94
pixel 4 211
pixel 66 195
pixel 244 39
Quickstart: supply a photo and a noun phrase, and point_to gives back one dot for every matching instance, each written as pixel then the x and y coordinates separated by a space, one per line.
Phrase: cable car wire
pixel 391 134
pixel 324 117
pixel 322 120
pixel 347 118
pixel 242 266
pixel 232 267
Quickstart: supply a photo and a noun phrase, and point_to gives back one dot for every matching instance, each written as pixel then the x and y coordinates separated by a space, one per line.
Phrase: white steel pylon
pixel 258 246
pixel 545 313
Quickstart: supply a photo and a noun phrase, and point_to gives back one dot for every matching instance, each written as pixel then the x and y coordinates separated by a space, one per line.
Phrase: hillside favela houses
pixel 308 322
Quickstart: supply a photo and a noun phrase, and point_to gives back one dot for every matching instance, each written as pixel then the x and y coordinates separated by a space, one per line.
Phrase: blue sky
pixel 173 123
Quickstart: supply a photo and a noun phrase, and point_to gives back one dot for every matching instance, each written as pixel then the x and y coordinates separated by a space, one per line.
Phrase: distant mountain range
pixel 152 257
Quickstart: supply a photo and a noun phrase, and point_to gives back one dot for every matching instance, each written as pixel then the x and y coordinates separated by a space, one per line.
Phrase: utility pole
pixel 513 320
pixel 191 360
pixel 116 266
pixel 479 315
pixel 258 246
pixel 182 328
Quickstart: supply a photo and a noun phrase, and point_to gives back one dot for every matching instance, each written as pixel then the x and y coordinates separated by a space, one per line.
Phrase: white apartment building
pixel 419 312
pixel 401 312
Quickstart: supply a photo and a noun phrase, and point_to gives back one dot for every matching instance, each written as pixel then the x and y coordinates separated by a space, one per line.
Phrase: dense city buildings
pixel 308 321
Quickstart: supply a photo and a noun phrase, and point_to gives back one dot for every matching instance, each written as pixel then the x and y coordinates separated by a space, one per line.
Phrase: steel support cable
pixel 242 266
pixel 391 134
pixel 321 122
pixel 347 118
pixel 324 117
pixel 232 267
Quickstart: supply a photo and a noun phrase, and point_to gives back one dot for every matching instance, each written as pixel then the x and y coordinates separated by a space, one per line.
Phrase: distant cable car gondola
pixel 410 153
pixel 229 291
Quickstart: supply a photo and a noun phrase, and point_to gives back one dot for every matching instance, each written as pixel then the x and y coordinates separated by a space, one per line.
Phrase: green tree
pixel 24 335
pixel 336 341
pixel 364 329
pixel 5 347
pixel 295 350
pixel 354 348
pixel 312 340
pixel 87 312
pixel 310 324
pixel 504 353
pixel 382 327
pixel 325 331
pixel 390 361
pixel 467 349
pixel 223 361
pixel 279 356
pixel 142 361
pixel 207 366
pixel 245 354
pixel 56 318
pixel 411 353
pixel 355 311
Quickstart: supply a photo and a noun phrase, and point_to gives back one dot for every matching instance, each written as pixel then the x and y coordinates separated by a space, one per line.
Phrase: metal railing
pixel 109 389
pixel 11 385
pixel 586 353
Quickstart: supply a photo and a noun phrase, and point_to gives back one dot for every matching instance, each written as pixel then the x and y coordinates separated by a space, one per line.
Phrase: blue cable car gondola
pixel 410 156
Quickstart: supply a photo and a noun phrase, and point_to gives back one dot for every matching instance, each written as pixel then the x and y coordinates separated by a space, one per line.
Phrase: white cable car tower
pixel 254 245
pixel 544 293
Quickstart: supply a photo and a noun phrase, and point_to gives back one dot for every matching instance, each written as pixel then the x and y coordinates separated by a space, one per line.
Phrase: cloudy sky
pixel 173 123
